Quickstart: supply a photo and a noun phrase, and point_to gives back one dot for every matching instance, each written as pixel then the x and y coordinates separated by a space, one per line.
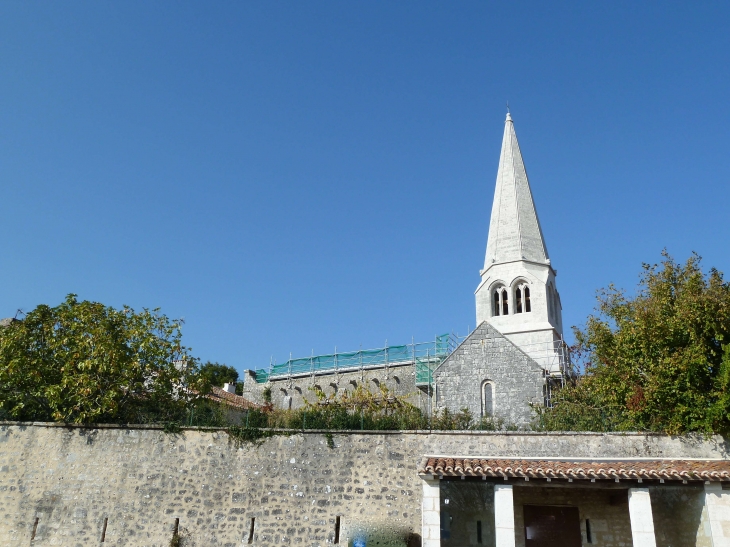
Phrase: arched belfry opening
pixel 500 297
pixel 526 310
pixel 522 297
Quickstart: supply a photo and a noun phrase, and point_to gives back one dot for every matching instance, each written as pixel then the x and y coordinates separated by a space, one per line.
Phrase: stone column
pixel 642 520
pixel 504 515
pixel 431 514
pixel 717 503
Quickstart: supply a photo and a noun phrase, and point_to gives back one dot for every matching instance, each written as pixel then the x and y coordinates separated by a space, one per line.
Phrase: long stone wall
pixel 71 485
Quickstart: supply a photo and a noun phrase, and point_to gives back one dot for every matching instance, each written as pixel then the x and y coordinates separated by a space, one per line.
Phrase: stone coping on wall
pixel 472 433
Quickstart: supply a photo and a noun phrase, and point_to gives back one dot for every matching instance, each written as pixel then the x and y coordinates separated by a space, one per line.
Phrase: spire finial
pixel 509 118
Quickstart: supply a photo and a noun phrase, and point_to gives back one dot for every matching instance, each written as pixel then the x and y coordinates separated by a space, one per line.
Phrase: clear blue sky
pixel 295 176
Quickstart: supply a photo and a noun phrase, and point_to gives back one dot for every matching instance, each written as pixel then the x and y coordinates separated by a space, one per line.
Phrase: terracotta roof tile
pixel 230 399
pixel 675 470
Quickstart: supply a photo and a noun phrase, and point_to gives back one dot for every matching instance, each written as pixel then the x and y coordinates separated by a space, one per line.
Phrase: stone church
pixel 516 355
pixel 136 485
pixel 512 360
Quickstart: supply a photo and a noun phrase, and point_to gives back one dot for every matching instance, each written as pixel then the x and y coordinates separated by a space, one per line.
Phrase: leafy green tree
pixel 658 361
pixel 83 362
pixel 216 374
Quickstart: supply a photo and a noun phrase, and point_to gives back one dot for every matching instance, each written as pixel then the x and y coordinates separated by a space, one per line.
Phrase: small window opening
pixel 518 301
pixel 337 529
pixel 496 302
pixel 35 529
pixel 505 306
pixel 479 531
pixel 552 300
pixel 487 399
pixel 549 302
pixel 251 529
pixel 527 299
pixel 589 535
pixel 103 531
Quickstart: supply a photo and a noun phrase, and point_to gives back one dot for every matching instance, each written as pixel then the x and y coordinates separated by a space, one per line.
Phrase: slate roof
pixel 232 400
pixel 645 469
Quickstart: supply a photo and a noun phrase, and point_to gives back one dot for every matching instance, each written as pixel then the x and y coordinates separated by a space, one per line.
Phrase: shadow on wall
pixel 378 534
pixel 681 518
pixel 467 513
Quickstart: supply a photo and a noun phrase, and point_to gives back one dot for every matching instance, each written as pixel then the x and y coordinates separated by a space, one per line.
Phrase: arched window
pixel 500 301
pixel 487 398
pixel 522 297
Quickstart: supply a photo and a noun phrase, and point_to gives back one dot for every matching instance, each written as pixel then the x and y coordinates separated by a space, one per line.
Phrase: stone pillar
pixel 504 515
pixel 717 503
pixel 431 514
pixel 642 520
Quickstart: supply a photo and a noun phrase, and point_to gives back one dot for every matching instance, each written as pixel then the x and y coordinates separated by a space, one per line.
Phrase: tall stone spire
pixel 517 293
pixel 514 229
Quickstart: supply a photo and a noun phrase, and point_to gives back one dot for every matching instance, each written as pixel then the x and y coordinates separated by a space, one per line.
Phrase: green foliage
pixel 172 428
pixel 216 374
pixel 253 435
pixel 206 413
pixel 659 361
pixel 266 394
pixel 361 409
pixel 82 362
pixel 180 538
pixel 463 420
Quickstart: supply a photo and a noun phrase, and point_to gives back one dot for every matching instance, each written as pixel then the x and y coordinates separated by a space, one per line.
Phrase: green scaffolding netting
pixel 440 347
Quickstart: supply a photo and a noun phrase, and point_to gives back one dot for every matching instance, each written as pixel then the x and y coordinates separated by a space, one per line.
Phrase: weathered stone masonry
pixel 140 479
pixel 486 355
pixel 293 392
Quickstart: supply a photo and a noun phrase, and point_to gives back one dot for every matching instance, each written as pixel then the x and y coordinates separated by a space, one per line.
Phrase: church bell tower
pixel 517 294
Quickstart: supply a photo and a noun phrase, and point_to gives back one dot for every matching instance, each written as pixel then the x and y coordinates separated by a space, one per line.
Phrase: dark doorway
pixel 551 526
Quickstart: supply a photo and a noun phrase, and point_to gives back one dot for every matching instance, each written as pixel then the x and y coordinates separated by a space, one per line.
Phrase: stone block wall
pixel 292 393
pixel 485 354
pixel 488 355
pixel 64 483
pixel 716 516
pixel 606 509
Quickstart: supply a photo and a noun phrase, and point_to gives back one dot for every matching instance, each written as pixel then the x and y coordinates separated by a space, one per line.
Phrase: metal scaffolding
pixel 424 355
pixel 554 359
